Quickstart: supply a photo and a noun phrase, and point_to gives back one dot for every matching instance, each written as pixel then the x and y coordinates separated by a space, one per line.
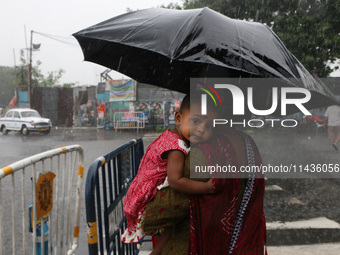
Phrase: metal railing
pixel 107 182
pixel 126 120
pixel 57 201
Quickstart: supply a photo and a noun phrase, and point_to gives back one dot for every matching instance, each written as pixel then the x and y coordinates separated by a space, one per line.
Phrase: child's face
pixel 193 126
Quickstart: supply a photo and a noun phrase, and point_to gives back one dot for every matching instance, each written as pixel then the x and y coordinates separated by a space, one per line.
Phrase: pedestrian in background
pixel 333 122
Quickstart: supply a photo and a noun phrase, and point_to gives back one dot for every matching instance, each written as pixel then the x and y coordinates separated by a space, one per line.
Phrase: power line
pixel 61 39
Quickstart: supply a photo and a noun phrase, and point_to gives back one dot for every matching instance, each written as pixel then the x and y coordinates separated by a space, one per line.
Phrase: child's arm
pixel 178 182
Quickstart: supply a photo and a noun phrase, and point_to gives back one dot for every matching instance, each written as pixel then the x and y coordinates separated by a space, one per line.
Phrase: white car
pixel 25 121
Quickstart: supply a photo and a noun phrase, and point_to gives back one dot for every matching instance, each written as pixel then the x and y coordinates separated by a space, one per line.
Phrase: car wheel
pixel 24 130
pixel 4 130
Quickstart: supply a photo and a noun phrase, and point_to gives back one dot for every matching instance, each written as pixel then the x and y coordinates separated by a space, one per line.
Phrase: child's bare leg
pixel 161 240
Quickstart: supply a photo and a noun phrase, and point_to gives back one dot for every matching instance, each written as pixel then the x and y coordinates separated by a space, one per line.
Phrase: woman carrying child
pixel 229 221
pixel 164 159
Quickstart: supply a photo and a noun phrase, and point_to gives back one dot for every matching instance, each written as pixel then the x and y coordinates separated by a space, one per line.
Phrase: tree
pixel 169 6
pixel 38 79
pixel 310 29
pixel 7 84
pixel 130 10
pixel 11 77
pixel 69 85
pixel 173 6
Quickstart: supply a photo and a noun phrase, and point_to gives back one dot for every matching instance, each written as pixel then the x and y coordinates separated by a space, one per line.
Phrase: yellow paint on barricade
pixel 102 161
pixel 63 149
pixel 81 171
pixel 7 170
pixel 92 237
pixel 76 231
pixel 44 194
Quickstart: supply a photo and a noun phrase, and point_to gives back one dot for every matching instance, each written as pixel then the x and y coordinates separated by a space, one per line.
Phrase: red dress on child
pixel 152 173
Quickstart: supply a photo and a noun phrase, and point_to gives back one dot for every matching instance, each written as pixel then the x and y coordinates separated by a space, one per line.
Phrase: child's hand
pixel 210 187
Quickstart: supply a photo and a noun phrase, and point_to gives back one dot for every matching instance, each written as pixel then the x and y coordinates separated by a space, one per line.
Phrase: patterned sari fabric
pixel 219 223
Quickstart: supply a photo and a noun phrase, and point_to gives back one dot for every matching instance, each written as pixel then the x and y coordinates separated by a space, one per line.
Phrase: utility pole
pixel 30 71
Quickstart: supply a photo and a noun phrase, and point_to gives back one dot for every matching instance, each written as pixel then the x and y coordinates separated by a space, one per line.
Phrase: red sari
pixel 220 223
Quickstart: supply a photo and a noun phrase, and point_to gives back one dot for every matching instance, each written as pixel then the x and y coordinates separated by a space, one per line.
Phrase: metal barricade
pixel 128 120
pixel 107 182
pixel 51 184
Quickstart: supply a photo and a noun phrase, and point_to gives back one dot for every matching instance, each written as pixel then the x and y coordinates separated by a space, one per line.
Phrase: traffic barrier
pixel 107 182
pixel 128 120
pixel 54 189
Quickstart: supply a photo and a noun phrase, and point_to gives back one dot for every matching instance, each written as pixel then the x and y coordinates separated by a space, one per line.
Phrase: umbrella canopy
pixel 166 48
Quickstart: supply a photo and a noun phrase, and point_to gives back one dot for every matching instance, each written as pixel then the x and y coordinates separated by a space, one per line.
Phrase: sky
pixel 58 20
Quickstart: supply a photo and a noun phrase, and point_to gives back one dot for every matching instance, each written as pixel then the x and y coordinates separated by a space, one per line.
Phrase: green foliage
pixel 69 85
pixel 130 10
pixel 169 6
pixel 173 6
pixel 38 79
pixel 7 84
pixel 11 77
pixel 161 129
pixel 310 29
pixel 52 78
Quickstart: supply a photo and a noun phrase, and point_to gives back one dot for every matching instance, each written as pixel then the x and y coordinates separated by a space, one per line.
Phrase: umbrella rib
pixel 139 27
pixel 238 40
pixel 179 32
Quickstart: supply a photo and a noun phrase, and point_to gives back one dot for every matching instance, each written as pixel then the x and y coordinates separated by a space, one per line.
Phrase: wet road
pixel 311 195
pixel 15 147
pixel 298 198
pixel 95 143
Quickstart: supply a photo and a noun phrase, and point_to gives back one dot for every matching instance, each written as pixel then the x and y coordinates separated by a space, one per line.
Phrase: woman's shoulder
pixel 220 140
pixel 219 143
pixel 248 137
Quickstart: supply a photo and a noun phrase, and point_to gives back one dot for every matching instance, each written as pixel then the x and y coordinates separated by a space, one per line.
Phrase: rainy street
pixel 295 202
pixel 95 143
pixel 286 200
pixel 68 179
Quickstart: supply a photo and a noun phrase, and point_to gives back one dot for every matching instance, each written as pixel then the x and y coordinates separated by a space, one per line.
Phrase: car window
pixel 16 115
pixel 27 114
pixel 9 115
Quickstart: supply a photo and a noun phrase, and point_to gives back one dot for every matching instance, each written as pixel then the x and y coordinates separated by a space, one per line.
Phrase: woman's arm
pixel 178 182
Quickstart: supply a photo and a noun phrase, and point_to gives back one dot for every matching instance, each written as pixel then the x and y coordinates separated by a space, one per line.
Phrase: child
pixel 165 158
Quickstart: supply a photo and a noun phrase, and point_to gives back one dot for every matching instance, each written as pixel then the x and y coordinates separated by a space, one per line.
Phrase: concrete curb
pixel 313 249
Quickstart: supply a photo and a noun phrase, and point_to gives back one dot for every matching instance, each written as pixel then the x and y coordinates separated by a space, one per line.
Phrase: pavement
pixel 313 249
pixel 322 249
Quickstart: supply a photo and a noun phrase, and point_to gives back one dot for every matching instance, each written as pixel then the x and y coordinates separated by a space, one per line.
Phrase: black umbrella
pixel 166 48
